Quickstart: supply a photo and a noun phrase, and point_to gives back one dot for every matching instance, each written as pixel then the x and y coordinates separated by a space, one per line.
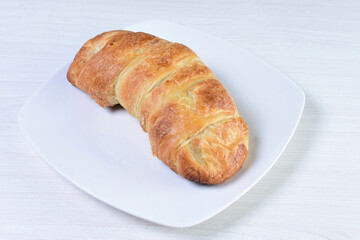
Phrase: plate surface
pixel 105 152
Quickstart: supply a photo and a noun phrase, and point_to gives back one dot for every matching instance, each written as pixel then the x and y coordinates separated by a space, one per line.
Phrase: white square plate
pixel 106 153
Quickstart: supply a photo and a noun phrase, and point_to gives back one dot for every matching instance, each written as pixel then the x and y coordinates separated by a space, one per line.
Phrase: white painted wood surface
pixel 313 192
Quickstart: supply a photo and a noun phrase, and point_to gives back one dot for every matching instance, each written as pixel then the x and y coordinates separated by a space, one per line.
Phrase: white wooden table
pixel 313 192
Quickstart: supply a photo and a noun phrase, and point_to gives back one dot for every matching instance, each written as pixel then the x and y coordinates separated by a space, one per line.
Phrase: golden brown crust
pixel 87 51
pixel 192 121
pixel 160 61
pixel 99 75
pixel 186 113
pixel 190 74
pixel 217 153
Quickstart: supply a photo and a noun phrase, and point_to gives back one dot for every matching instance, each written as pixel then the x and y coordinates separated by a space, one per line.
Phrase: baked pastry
pixel 192 121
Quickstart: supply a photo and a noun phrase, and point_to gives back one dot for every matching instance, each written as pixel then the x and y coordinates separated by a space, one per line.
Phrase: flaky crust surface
pixel 192 121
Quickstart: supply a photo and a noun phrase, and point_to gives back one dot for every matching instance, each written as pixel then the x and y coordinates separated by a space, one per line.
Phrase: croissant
pixel 192 121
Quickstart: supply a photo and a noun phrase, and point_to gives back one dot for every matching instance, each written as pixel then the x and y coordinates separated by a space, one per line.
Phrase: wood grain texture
pixel 313 192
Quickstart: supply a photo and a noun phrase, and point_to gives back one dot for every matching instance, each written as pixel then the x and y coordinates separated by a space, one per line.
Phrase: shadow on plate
pixel 116 108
